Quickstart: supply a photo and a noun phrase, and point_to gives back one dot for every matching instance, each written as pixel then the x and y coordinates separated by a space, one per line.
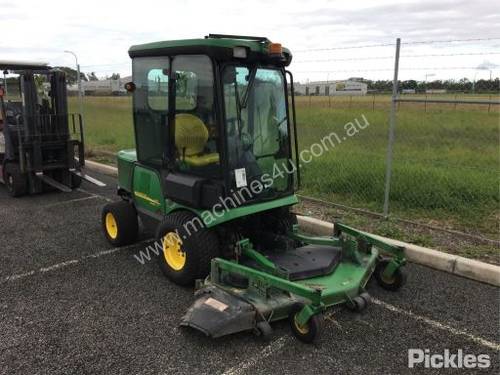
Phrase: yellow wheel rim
pixel 172 251
pixel 111 227
pixel 302 329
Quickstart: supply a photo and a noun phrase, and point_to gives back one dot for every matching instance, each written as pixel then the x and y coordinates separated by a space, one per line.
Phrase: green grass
pixel 446 159
pixel 108 123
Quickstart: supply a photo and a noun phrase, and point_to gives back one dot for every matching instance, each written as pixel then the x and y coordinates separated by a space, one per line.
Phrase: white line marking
pixel 68 263
pixel 270 349
pixel 58 265
pixel 95 194
pixel 435 324
pixel 19 276
pixel 68 201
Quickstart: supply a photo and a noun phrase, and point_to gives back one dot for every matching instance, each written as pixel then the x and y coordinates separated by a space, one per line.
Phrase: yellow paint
pixel 147 198
pixel 111 226
pixel 303 329
pixel 172 251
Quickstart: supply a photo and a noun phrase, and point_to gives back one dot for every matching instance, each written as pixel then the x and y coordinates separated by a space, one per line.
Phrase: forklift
pixel 41 144
pixel 214 175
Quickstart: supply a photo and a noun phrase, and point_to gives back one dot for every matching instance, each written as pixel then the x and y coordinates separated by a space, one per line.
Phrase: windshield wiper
pixel 246 94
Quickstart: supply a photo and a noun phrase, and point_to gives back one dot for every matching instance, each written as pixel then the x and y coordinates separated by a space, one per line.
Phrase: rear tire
pixel 186 253
pixel 119 223
pixel 15 181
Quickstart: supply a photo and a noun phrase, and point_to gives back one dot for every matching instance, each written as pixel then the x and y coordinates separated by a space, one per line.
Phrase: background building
pixel 102 87
pixel 347 87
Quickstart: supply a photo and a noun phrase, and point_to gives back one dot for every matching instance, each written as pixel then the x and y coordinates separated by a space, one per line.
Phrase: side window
pixel 151 107
pixel 158 89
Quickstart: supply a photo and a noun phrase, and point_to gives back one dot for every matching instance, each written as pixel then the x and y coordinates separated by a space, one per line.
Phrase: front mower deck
pixel 272 292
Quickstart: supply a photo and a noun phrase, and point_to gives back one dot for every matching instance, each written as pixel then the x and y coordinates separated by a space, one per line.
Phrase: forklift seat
pixel 191 136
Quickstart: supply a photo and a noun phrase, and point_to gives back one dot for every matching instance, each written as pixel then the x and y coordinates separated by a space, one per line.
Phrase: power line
pixel 403 56
pixel 98 65
pixel 391 69
pixel 347 47
pixel 393 44
pixel 450 41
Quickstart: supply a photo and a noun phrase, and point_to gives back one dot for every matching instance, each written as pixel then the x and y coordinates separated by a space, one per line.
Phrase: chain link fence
pixel 439 167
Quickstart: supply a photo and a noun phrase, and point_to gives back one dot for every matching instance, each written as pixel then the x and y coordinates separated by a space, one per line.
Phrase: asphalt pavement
pixel 70 303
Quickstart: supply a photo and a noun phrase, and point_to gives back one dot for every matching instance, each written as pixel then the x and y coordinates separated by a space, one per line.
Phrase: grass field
pixel 446 157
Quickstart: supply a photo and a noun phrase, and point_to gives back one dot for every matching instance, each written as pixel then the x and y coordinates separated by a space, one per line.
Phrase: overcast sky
pixel 100 33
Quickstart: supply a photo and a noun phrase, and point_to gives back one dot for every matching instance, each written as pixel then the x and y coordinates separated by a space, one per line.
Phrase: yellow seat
pixel 191 136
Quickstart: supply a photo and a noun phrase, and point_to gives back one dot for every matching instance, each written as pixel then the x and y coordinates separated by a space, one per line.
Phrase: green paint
pixel 255 46
pixel 126 160
pixel 212 219
pixel 147 190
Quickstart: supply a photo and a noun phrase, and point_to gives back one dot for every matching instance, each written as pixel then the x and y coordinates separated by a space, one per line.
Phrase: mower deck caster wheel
pixel 357 304
pixel 366 297
pixel 308 332
pixel 395 282
pixel 264 330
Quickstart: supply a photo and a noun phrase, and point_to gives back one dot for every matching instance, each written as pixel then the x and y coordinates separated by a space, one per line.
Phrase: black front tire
pixel 119 223
pixel 15 181
pixel 199 245
pixel 309 332
pixel 392 284
pixel 76 181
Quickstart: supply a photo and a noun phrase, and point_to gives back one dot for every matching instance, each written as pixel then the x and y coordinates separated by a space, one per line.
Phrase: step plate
pixel 308 261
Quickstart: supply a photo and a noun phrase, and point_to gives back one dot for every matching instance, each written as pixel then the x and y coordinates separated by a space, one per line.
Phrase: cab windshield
pixel 257 129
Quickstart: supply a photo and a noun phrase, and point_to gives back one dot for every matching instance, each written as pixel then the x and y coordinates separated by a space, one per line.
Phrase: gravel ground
pixel 71 304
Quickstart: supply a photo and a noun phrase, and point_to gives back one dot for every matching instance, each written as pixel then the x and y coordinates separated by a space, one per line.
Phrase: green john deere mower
pixel 213 175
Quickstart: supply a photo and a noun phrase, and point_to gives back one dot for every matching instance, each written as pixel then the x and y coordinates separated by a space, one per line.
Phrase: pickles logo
pixel 424 358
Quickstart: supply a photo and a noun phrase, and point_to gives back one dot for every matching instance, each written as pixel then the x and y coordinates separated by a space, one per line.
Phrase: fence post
pixel 392 125
pixel 373 105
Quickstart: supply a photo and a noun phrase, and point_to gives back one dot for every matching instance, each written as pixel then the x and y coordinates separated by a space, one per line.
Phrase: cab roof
pixel 213 44
pixel 23 65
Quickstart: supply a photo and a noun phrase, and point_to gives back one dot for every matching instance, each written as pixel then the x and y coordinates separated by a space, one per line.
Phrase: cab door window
pixel 196 134
pixel 151 107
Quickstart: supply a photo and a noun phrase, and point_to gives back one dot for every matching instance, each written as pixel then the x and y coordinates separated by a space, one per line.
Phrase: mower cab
pixel 41 144
pixel 213 176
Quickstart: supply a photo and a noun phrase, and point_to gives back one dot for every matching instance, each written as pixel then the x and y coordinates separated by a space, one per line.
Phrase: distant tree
pixel 92 77
pixel 71 74
pixel 410 84
pixel 115 76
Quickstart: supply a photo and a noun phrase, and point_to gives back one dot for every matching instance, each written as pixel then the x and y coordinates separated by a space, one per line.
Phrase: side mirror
pixel 130 87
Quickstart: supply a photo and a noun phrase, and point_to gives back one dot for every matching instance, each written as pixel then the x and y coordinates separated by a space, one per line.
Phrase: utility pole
pixel 79 82
pixel 392 125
